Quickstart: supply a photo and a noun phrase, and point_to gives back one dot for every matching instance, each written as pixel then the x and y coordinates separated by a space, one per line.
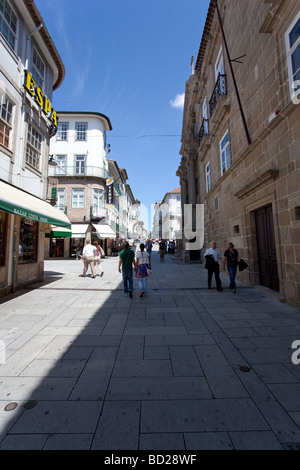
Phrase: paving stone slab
pixel 201 415
pixel 208 441
pixel 255 440
pixel 157 442
pixel 158 388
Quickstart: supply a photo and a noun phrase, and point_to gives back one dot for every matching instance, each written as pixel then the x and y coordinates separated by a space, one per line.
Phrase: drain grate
pixel 291 446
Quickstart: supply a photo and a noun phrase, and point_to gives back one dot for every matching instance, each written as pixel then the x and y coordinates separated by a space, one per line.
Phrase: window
pixel 8 23
pixel 38 69
pixel 293 55
pixel 205 117
pixel 208 177
pixel 225 153
pixel 61 167
pixel 62 131
pixel 81 128
pixel 34 147
pixel 28 241
pixel 61 199
pixel 78 198
pixel 79 164
pixel 98 198
pixel 6 109
pixel 219 66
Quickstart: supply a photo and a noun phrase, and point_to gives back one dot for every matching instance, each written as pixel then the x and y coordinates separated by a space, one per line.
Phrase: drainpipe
pixel 233 76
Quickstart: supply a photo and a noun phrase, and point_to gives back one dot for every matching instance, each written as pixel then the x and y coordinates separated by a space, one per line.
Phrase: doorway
pixel 266 248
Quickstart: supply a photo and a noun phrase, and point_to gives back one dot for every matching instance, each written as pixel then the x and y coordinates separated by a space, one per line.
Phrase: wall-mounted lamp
pixel 51 161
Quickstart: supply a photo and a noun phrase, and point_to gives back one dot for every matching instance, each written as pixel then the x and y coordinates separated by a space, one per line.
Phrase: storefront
pixel 23 219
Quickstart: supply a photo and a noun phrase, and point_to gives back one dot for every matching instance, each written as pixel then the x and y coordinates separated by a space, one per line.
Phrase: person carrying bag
pixel 142 269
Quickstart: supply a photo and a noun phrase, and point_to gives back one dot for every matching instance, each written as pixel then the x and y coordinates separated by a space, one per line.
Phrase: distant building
pixel 240 138
pixel 167 216
pixel 31 69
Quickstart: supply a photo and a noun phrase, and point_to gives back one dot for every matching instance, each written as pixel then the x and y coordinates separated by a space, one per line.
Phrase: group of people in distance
pixel 141 264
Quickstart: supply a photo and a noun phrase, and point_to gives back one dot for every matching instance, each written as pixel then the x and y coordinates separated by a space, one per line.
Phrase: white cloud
pixel 178 102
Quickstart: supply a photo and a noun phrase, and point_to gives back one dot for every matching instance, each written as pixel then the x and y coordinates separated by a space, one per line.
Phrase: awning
pixel 58 232
pixel 16 201
pixel 105 231
pixel 79 230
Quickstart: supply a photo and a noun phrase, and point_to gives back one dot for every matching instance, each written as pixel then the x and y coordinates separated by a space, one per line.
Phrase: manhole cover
pixel 30 404
pixel 245 369
pixel 11 406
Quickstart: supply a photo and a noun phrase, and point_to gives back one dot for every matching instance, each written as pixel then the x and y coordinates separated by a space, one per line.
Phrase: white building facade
pixel 30 70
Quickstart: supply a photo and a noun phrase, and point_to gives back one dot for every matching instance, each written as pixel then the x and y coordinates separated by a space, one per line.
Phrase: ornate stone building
pixel 240 138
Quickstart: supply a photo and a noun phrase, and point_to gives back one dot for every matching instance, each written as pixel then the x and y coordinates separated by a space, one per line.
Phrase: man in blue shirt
pixel 213 256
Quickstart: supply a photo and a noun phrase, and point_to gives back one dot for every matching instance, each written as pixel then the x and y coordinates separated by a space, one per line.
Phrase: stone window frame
pixel 289 51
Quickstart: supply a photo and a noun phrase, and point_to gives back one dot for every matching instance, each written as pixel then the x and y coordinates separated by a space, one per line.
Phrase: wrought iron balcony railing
pixel 220 90
pixel 204 130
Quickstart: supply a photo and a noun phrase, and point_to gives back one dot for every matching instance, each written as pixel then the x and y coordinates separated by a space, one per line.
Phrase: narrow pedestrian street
pixel 185 368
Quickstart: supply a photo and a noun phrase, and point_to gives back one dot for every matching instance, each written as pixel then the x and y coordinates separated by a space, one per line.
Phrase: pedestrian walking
pixel 149 246
pixel 162 250
pixel 126 261
pixel 213 256
pixel 88 255
pixel 231 257
pixel 142 267
pixel 97 263
pixel 78 251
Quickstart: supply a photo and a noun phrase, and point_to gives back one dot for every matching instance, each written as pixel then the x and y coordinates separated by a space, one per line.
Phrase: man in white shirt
pixel 88 255
pixel 213 256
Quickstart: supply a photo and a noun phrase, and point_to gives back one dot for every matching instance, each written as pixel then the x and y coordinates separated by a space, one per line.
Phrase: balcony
pixel 71 171
pixel 97 213
pixel 204 130
pixel 220 90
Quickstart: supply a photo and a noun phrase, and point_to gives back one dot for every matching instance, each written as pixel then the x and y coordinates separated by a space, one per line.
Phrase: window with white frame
pixel 8 23
pixel 81 130
pixel 208 177
pixel 61 167
pixel 225 153
pixel 6 110
pixel 62 131
pixel 38 69
pixel 79 164
pixel 97 201
pixel 61 195
pixel 33 147
pixel 292 38
pixel 78 198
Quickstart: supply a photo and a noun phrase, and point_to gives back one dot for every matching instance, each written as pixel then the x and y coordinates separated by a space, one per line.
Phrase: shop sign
pixel 109 193
pixel 40 99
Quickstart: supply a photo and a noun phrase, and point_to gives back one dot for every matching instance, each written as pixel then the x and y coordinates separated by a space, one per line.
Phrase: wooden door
pixel 266 248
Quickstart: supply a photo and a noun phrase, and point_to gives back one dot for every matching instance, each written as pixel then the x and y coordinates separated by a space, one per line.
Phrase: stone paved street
pixel 185 368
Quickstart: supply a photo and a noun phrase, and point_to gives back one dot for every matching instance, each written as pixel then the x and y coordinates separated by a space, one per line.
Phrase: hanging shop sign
pixel 110 193
pixel 40 99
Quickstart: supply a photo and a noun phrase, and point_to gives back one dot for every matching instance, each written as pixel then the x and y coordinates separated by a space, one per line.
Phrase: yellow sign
pixel 41 99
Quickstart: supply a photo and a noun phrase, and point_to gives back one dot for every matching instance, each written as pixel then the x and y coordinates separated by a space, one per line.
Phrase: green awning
pixel 18 202
pixel 58 232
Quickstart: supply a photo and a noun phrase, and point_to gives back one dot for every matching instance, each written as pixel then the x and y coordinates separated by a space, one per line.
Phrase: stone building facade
pixel 240 138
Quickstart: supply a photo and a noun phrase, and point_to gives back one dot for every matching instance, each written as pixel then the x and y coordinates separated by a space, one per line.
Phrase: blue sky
pixel 129 60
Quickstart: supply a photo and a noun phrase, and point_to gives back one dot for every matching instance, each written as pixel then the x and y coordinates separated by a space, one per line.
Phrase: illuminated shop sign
pixel 40 99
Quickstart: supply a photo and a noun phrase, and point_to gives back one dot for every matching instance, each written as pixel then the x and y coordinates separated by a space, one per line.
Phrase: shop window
pixel 3 224
pixel 28 241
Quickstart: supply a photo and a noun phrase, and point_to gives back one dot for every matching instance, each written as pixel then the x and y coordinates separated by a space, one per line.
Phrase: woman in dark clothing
pixel 231 256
